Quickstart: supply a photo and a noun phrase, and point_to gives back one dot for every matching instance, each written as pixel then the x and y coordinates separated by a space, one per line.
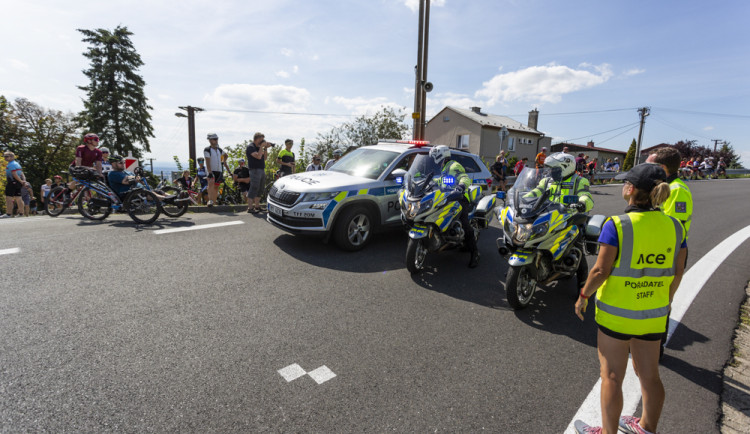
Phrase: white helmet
pixel 440 154
pixel 565 162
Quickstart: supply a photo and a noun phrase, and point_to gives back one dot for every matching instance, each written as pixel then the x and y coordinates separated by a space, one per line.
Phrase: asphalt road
pixel 113 327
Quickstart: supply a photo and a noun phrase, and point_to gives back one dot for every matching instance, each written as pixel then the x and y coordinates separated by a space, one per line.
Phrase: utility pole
pixel 643 111
pixel 715 142
pixel 421 86
pixel 151 162
pixel 191 126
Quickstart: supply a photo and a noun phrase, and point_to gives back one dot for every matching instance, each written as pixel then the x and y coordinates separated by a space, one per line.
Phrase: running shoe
pixel 583 428
pixel 631 425
pixel 210 203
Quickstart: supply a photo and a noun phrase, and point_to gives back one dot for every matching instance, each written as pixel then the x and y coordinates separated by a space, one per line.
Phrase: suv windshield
pixel 367 163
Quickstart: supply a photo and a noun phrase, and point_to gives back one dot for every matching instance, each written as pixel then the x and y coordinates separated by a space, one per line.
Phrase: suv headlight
pixel 317 197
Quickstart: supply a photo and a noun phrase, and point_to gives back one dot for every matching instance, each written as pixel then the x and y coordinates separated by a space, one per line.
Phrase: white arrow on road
pixel 691 285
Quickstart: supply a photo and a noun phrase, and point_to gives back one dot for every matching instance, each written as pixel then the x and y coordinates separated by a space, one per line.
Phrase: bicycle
pixel 228 195
pixel 269 184
pixel 141 204
pixel 175 205
pixel 60 198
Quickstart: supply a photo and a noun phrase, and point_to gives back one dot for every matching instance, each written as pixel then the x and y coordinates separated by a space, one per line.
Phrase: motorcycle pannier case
pixel 593 230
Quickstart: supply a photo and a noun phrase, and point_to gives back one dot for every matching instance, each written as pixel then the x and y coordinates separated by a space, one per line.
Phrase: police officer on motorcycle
pixel 441 155
pixel 571 185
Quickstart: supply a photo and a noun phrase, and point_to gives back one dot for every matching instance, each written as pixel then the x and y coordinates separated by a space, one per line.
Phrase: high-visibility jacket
pixel 574 185
pixel 634 299
pixel 679 204
pixel 456 170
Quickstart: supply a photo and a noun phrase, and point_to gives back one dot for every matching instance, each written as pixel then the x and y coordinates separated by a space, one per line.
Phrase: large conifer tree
pixel 116 107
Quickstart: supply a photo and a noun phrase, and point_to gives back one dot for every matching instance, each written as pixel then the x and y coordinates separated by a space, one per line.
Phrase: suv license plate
pixel 275 210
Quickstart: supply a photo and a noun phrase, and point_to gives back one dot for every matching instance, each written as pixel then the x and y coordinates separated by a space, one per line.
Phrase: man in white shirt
pixel 215 164
pixel 315 165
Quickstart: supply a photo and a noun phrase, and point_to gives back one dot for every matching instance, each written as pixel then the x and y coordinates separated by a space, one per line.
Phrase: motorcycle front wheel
pixel 519 287
pixel 416 252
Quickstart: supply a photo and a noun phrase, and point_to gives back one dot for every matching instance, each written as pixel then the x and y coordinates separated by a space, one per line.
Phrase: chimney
pixel 477 110
pixel 590 144
pixel 533 119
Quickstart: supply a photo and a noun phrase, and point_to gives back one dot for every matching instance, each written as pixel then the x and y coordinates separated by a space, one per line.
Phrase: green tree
pixel 627 164
pixel 115 107
pixel 388 123
pixel 44 140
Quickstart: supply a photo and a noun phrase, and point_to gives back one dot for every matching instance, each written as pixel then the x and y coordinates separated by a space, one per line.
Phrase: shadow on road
pixel 384 253
pixel 160 223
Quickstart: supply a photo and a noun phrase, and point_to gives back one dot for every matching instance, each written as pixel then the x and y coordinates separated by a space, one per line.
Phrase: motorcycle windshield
pixel 530 194
pixel 421 177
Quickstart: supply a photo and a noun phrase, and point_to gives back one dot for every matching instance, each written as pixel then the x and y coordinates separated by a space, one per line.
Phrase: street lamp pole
pixel 191 127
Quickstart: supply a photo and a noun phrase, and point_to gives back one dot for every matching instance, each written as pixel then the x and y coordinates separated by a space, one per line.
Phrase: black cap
pixel 644 176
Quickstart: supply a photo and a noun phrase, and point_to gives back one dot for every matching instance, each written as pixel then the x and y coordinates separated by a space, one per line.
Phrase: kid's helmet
pixel 565 162
pixel 440 153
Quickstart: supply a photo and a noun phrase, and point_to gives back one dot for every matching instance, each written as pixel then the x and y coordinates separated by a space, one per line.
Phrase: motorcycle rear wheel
pixel 416 252
pixel 519 287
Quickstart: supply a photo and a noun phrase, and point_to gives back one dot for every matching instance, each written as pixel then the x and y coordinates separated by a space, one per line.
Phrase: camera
pixel 272 145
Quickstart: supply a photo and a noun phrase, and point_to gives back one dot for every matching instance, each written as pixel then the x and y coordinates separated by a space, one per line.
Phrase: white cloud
pixel 708 128
pixel 259 97
pixel 364 106
pixel 546 83
pixel 163 96
pixel 745 158
pixel 287 52
pixel 295 69
pixel 414 4
pixel 17 64
pixel 634 71
pixel 282 74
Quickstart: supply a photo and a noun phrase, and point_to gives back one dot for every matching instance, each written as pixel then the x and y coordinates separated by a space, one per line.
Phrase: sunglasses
pixel 91 139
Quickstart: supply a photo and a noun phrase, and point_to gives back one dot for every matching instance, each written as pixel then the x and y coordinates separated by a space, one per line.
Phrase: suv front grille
pixel 283 197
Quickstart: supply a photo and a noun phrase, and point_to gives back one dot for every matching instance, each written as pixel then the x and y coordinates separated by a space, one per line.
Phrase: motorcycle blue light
pixel 449 180
pixel 399 180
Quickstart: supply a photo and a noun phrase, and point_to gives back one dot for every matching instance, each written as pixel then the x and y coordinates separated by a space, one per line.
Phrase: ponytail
pixel 659 194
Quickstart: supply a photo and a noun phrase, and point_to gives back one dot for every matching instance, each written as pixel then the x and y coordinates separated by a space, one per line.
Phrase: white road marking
pixel 322 374
pixel 198 227
pixel 10 251
pixel 692 283
pixel 294 371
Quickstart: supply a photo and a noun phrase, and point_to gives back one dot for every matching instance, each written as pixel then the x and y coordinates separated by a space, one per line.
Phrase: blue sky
pixel 687 60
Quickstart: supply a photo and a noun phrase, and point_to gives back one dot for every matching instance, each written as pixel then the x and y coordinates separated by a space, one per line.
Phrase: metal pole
pixel 191 131
pixel 417 85
pixel 422 91
pixel 644 111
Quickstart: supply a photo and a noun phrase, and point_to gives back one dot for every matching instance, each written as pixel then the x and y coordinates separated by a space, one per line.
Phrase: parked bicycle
pixel 228 195
pixel 60 198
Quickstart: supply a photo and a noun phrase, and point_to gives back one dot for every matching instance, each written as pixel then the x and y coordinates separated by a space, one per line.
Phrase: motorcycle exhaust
pixel 503 250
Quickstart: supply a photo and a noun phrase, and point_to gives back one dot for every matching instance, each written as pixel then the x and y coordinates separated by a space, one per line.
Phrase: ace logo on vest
pixel 651 258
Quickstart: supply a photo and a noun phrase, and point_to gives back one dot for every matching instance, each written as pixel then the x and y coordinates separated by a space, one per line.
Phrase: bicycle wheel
pixel 172 209
pixel 55 204
pixel 142 206
pixel 94 205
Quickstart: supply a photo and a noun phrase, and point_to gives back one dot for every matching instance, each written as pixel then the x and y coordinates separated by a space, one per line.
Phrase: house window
pixel 446 119
pixel 462 141
pixel 511 143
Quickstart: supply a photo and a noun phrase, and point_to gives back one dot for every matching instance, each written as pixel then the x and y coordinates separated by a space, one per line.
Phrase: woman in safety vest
pixel 638 270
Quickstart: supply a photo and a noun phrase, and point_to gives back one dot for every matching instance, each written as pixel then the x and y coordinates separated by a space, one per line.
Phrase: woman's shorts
pixel 627 337
pixel 12 187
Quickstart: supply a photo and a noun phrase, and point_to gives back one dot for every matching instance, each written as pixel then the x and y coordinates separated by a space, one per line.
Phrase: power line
pixel 726 115
pixel 617 135
pixel 678 127
pixel 278 113
pixel 603 132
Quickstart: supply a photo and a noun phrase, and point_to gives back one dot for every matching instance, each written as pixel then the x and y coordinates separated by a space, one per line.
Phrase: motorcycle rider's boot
pixel 474 261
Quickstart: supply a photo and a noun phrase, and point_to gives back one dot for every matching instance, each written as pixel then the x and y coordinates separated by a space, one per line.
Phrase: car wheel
pixel 354 228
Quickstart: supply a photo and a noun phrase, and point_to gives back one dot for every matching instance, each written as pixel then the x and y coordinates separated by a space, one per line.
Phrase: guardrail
pixel 509 180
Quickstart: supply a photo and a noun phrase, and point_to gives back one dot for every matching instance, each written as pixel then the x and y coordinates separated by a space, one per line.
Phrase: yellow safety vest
pixel 634 299
pixel 573 185
pixel 679 204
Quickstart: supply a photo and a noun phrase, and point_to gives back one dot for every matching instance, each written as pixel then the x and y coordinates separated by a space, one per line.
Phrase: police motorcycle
pixel 430 210
pixel 543 240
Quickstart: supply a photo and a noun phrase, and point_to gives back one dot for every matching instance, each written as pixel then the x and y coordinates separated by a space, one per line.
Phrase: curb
pixel 191 208
pixel 735 394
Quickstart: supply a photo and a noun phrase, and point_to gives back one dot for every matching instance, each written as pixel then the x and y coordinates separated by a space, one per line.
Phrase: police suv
pixel 358 195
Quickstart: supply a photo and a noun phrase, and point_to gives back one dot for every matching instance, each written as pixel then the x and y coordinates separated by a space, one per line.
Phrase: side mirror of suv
pixel 397 175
